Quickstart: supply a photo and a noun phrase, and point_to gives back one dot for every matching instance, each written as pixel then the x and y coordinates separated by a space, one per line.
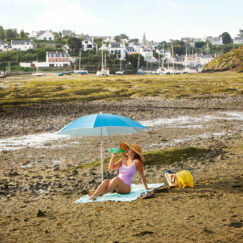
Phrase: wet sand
pixel 38 177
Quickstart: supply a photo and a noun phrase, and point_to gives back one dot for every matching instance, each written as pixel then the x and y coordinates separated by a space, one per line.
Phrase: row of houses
pixel 62 59
pixel 214 40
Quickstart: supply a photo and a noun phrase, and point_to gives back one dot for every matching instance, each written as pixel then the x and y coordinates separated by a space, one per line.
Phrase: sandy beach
pixel 41 174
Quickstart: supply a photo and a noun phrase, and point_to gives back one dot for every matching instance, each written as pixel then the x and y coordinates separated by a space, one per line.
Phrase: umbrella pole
pixel 101 154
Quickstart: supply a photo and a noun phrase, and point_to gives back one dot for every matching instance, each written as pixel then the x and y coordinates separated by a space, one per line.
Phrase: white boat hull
pixel 120 72
pixel 103 73
pixel 38 74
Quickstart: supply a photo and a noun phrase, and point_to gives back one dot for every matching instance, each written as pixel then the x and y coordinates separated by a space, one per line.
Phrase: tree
pixel 98 42
pixel 226 38
pixel 240 33
pixel 2 36
pixel 179 50
pixel 134 40
pixel 200 44
pixel 23 34
pixel 11 34
pixel 57 36
pixel 117 38
pixel 133 59
pixel 75 44
pixel 124 36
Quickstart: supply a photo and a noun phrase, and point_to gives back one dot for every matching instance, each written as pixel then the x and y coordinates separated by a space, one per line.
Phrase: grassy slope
pixel 26 90
pixel 232 60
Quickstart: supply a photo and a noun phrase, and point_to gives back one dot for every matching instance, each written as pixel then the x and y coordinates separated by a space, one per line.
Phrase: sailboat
pixel 120 72
pixel 173 70
pixel 80 71
pixel 37 73
pixel 104 71
pixel 139 71
pixel 161 70
pixel 187 69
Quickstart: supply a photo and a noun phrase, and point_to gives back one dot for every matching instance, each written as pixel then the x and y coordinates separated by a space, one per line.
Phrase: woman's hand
pixel 114 155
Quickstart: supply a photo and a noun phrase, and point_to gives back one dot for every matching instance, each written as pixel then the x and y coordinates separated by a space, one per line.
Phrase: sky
pixel 158 19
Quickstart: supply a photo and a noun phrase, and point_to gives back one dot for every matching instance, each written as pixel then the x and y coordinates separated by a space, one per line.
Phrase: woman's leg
pixel 114 185
pixel 117 185
pixel 101 189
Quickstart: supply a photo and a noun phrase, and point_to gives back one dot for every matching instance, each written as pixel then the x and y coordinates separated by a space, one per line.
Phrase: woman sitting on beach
pixel 131 162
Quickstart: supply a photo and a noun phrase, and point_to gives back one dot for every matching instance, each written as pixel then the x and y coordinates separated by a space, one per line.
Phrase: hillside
pixel 232 60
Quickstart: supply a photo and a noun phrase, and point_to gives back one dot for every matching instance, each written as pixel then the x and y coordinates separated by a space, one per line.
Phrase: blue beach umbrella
pixel 101 125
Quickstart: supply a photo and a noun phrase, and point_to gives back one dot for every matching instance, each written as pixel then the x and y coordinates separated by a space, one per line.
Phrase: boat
pixel 161 70
pixel 139 70
pixel 104 71
pixel 120 72
pixel 3 74
pixel 80 71
pixel 37 73
pixel 60 74
pixel 188 70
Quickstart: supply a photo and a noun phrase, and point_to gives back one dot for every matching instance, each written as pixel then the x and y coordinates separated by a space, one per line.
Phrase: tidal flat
pixel 195 122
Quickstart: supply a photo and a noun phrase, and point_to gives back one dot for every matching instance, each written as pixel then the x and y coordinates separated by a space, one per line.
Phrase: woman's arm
pixel 139 166
pixel 113 166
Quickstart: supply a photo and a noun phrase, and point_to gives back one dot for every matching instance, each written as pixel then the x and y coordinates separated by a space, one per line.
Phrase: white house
pixel 22 45
pixel 203 59
pixel 88 44
pixel 238 40
pixel 216 40
pixel 42 35
pixel 147 54
pixel 58 59
pixel 135 45
pixel 118 49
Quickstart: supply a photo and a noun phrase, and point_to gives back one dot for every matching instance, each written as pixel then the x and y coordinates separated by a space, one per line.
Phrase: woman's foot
pixel 93 197
pixel 90 193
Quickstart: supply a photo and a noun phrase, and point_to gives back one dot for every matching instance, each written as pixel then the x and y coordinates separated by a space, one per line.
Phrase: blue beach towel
pixel 136 191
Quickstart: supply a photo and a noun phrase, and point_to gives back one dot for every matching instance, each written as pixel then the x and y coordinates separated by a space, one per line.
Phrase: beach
pixel 43 173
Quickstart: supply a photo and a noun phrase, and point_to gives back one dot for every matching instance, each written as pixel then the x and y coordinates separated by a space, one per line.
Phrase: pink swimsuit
pixel 126 173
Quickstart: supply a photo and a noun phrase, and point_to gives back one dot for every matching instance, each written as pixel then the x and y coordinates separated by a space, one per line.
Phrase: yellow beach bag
pixel 184 179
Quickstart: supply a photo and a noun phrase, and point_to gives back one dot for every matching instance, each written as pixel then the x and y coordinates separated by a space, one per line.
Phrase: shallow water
pixel 41 140
pixel 192 122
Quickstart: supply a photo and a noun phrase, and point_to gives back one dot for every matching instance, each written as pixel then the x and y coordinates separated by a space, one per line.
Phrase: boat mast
pixel 163 60
pixel 172 53
pixel 79 64
pixel 105 62
pixel 186 57
pixel 102 64
pixel 138 61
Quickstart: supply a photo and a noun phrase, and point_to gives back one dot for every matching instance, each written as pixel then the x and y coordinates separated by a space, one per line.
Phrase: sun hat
pixel 134 147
